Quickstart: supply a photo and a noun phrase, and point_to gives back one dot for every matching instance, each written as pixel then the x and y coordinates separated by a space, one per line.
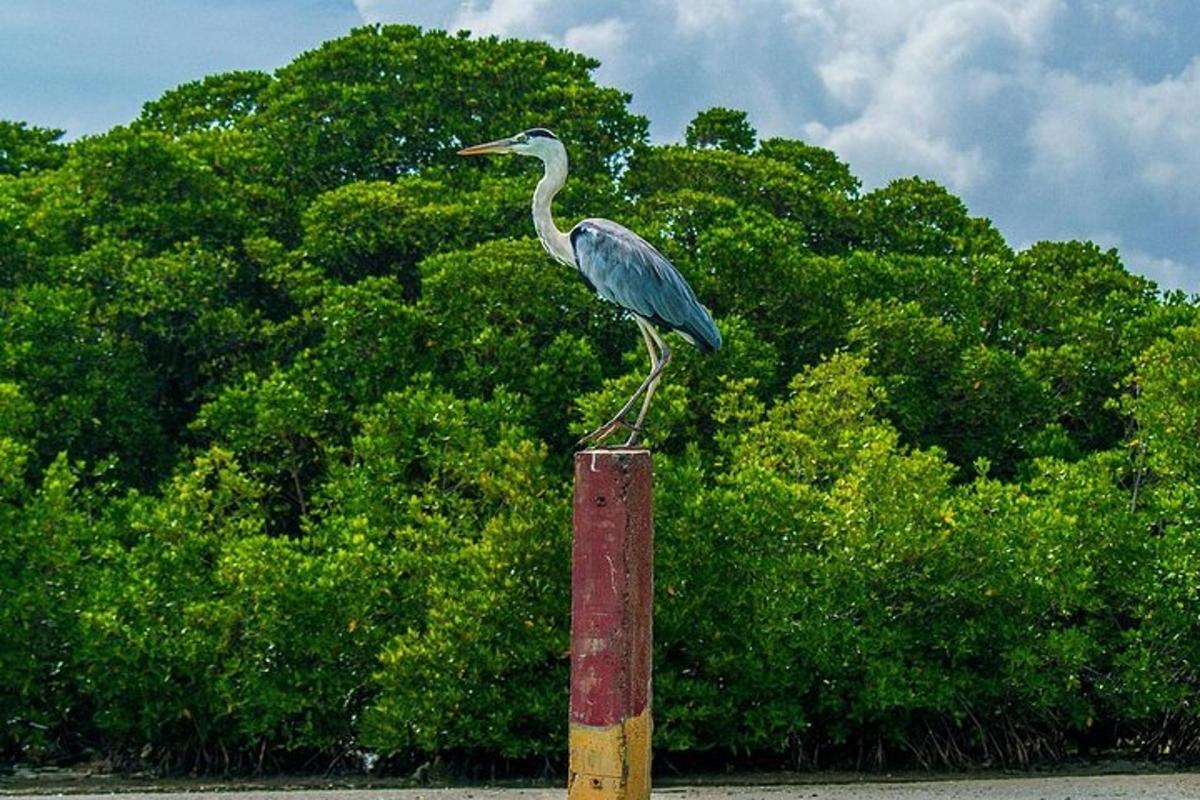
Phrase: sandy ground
pixel 1178 786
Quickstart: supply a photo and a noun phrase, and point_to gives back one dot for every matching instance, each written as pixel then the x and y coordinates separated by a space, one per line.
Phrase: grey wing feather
pixel 626 269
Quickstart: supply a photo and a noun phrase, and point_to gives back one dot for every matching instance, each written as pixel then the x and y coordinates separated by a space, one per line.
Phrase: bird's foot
pixel 608 429
pixel 635 435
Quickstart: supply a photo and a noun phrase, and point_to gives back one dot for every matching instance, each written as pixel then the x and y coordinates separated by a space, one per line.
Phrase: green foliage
pixel 387 228
pixel 365 229
pixel 828 172
pixel 155 623
pixel 822 218
pixel 501 315
pixel 1158 667
pixel 44 534
pixel 722 128
pixel 91 387
pixel 1166 404
pixel 479 530
pixel 25 148
pixel 145 186
pixel 388 101
pixel 288 397
pixel 919 217
pixel 915 355
pixel 218 101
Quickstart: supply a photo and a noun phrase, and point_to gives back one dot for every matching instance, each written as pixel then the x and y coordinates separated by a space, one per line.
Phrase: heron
pixel 619 266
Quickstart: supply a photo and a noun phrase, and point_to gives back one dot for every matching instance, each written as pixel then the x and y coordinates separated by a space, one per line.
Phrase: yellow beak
pixel 498 146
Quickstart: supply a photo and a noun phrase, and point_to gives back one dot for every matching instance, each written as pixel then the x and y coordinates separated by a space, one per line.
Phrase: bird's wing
pixel 626 269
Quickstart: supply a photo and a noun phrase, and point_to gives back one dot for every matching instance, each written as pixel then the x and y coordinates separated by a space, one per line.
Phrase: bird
pixel 619 266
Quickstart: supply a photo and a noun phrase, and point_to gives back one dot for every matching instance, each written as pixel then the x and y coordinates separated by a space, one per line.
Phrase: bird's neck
pixel 557 243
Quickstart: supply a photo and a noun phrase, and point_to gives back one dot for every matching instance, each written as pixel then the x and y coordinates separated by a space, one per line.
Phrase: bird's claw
pixel 608 428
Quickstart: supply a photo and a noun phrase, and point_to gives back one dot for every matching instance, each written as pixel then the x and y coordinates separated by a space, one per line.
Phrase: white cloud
pixel 372 10
pixel 604 40
pixel 599 39
pixel 1054 118
pixel 501 17
pixel 1135 20
pixel 909 73
pixel 1166 272
pixel 707 17
pixel 1126 133
pixel 851 75
pixel 429 13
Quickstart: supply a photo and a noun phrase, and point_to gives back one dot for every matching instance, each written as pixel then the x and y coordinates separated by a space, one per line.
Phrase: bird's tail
pixel 703 332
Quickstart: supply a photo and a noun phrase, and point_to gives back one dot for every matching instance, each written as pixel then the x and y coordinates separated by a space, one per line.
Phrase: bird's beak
pixel 498 146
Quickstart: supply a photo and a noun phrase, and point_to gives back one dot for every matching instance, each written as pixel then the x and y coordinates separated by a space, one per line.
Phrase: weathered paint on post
pixel 612 590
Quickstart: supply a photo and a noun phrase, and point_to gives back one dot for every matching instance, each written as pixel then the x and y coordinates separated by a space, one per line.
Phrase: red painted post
pixel 612 590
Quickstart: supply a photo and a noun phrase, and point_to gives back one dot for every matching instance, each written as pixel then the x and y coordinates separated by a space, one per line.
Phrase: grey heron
pixel 617 264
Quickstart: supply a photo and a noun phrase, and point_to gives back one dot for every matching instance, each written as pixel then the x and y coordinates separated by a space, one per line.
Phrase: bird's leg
pixel 636 434
pixel 650 337
pixel 618 419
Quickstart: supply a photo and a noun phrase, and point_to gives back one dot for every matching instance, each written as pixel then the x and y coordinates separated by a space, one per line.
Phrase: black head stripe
pixel 540 132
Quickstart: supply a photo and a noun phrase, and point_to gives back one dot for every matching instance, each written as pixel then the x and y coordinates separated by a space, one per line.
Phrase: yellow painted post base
pixel 610 762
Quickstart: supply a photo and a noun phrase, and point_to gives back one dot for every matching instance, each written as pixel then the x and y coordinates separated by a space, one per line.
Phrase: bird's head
pixel 537 142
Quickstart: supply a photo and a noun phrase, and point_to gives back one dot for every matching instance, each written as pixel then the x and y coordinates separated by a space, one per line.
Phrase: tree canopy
pixel 288 393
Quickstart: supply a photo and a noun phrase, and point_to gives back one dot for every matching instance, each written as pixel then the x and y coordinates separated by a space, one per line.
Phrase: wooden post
pixel 612 589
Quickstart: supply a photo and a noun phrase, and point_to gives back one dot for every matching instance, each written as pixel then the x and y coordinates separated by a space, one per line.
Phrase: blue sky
pixel 1056 118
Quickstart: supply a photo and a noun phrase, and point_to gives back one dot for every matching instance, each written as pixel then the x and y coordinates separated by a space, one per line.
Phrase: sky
pixel 1058 119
